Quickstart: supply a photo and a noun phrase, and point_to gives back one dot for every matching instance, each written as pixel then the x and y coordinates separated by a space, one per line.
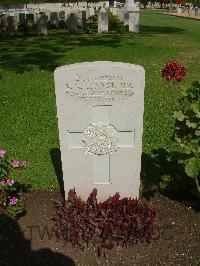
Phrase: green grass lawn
pixel 28 111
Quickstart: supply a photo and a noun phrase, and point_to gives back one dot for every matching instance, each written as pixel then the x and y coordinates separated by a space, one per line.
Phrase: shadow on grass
pixel 23 53
pixel 56 160
pixel 16 250
pixel 149 30
pixel 162 172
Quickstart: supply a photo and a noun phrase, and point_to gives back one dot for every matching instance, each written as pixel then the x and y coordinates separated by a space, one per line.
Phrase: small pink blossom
pixel 24 164
pixel 3 181
pixel 7 181
pixel 2 153
pixel 15 164
pixel 10 182
pixel 13 201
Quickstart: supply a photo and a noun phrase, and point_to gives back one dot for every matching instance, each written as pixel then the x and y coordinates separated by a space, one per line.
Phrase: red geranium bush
pixel 106 224
pixel 173 71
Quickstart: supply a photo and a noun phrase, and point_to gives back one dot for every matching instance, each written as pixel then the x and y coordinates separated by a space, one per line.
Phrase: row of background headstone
pixel 74 18
pixel 11 20
pixel 189 11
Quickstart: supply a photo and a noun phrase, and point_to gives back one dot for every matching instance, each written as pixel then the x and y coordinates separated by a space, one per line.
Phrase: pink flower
pixel 3 181
pixel 13 201
pixel 24 164
pixel 15 164
pixel 2 153
pixel 10 182
pixel 7 181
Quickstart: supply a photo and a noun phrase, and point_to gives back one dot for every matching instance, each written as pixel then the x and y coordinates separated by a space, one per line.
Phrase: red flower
pixel 173 71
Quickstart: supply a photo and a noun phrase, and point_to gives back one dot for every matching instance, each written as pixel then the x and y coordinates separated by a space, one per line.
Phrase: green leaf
pixel 16 210
pixel 197 133
pixel 179 115
pixel 190 124
pixel 195 140
pixel 196 109
pixel 196 84
pixel 192 167
pixel 184 91
pixel 178 139
pixel 193 147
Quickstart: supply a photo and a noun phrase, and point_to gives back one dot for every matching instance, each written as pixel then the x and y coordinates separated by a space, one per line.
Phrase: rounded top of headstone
pixel 100 64
pixel 130 6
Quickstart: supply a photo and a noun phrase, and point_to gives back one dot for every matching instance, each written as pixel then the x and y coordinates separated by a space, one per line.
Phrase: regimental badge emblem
pixel 100 138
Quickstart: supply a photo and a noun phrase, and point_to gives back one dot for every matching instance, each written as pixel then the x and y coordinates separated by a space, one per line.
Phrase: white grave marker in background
pixel 102 21
pixel 100 118
pixel 134 22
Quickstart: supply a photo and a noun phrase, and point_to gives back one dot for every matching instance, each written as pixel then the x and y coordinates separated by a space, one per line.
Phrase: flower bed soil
pixel 29 241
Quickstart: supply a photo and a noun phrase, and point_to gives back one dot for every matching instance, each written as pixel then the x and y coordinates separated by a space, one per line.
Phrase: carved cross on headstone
pixel 101 139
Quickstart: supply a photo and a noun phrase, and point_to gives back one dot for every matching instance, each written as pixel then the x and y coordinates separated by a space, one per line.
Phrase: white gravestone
pixel 92 13
pixel 129 6
pixel 72 23
pixel 62 15
pixel 54 19
pixel 102 21
pixel 30 18
pixel 1 20
pixel 114 11
pixel 120 13
pixel 11 25
pixel 42 24
pixel 4 22
pixel 196 11
pixel 22 18
pixel 100 119
pixel 179 9
pixel 81 18
pixel 87 12
pixel 134 22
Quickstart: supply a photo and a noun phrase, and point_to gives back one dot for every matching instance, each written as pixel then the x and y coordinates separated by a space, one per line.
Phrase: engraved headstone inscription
pixel 100 119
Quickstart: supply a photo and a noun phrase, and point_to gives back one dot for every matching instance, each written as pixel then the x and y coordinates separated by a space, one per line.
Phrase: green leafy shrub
pixel 63 24
pixel 187 130
pixel 93 18
pixel 114 23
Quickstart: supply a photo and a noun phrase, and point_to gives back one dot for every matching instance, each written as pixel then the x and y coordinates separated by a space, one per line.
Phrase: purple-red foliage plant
pixel 106 224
